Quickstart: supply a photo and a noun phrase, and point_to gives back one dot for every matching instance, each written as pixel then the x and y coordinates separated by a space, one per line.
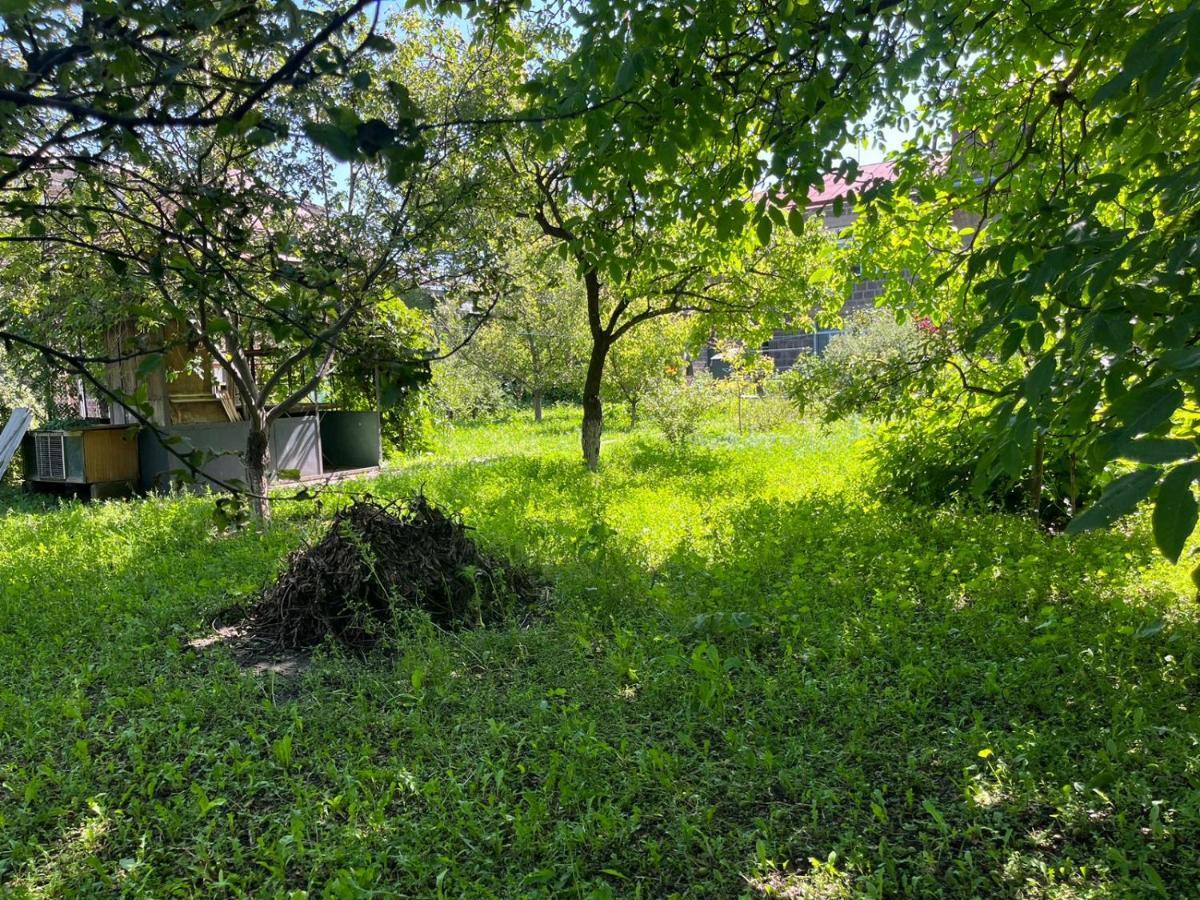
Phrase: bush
pixel 927 459
pixel 677 407
pixel 932 457
pixel 408 427
pixel 769 409
pixel 461 393
pixel 875 368
pixel 910 375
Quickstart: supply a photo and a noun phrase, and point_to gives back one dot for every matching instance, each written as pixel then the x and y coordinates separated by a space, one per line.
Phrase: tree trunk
pixel 537 406
pixel 1073 484
pixel 593 410
pixel 632 414
pixel 258 460
pixel 1036 477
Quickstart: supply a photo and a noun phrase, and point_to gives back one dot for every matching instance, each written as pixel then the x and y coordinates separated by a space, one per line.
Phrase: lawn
pixel 755 679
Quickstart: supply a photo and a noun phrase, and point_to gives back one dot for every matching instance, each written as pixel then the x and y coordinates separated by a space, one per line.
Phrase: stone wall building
pixel 785 347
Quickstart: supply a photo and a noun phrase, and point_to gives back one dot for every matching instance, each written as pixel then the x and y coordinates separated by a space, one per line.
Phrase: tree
pixel 534 340
pixel 876 367
pixel 16 388
pixel 640 362
pixel 236 243
pixel 645 162
pixel 637 263
pixel 1078 154
pixel 87 80
pixel 648 139
pixel 1076 149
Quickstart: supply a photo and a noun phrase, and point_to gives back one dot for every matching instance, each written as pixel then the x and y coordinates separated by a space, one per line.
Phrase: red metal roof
pixel 835 186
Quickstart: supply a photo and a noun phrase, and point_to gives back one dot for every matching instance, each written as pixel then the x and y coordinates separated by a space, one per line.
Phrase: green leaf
pixel 1182 359
pixel 150 364
pixel 1118 499
pixel 1193 43
pixel 1037 382
pixel 1156 450
pixel 342 144
pixel 1144 409
pixel 289 474
pixel 795 221
pixel 379 43
pixel 627 72
pixel 1176 511
pixel 1150 629
pixel 374 135
pixel 261 137
pixel 763 229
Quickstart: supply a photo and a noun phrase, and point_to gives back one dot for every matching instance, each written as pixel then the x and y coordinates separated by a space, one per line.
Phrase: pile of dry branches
pixel 377 561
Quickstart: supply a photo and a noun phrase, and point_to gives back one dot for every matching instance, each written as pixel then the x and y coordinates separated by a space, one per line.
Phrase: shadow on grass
pixel 989 703
pixel 657 459
pixel 16 499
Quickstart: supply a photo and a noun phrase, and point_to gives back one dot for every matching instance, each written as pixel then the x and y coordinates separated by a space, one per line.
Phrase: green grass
pixel 756 679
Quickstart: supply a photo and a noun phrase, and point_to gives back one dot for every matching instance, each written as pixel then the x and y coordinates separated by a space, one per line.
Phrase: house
pixel 785 347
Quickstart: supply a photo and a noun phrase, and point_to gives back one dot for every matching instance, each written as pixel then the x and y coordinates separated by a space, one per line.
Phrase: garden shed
pixel 189 401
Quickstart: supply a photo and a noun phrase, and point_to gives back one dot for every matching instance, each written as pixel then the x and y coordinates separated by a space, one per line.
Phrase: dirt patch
pixel 252 653
pixel 376 562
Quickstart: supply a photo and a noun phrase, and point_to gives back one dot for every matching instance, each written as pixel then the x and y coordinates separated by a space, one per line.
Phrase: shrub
pixel 408 427
pixel 927 459
pixel 677 407
pixel 937 403
pixel 932 457
pixel 875 368
pixel 769 408
pixel 642 360
pixel 461 393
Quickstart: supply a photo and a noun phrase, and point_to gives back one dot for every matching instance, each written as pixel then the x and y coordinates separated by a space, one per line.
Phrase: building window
pixel 822 338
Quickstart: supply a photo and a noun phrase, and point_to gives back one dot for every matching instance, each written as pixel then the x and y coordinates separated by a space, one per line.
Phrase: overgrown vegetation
pixel 678 407
pixel 780 660
pixel 939 443
pixel 758 677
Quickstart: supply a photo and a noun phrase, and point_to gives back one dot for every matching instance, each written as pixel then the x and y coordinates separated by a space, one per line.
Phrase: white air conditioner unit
pixel 50 458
